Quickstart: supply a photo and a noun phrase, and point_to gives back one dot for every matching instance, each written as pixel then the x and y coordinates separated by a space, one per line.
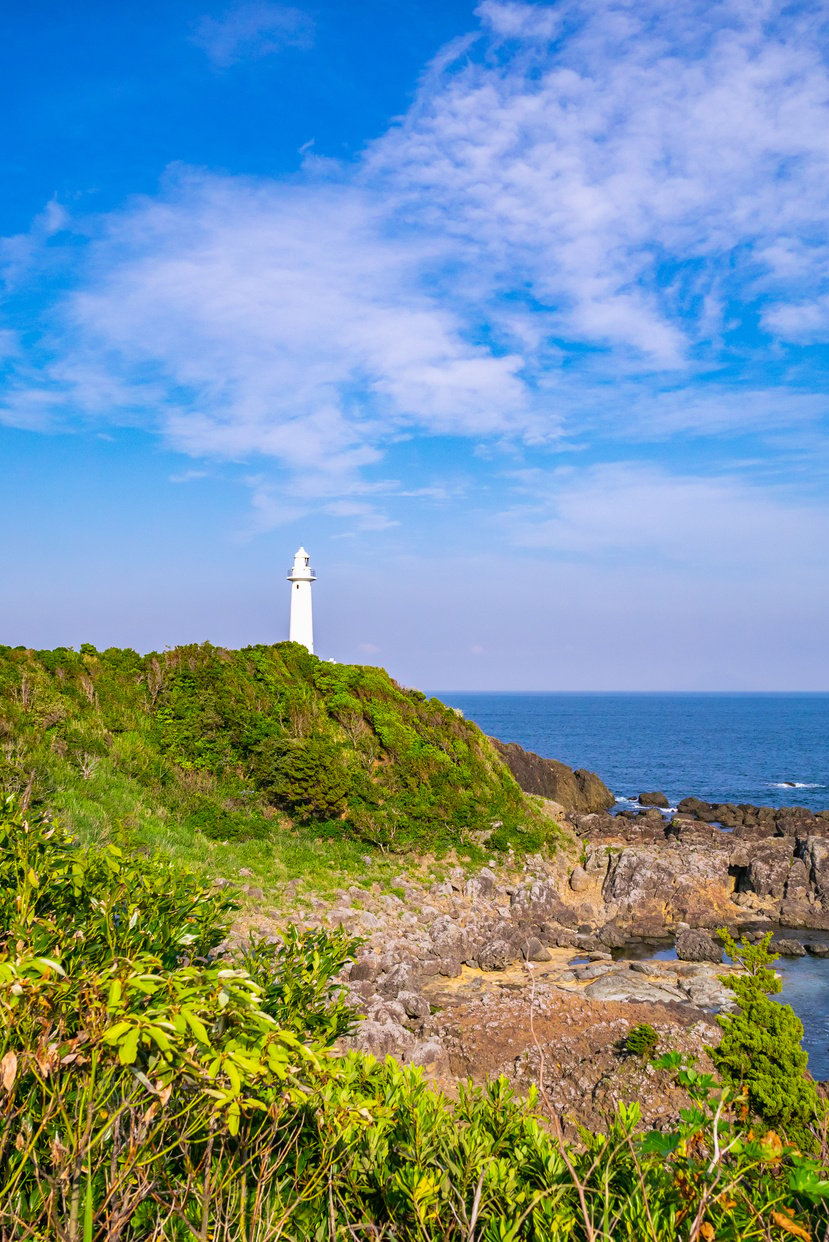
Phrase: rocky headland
pixel 539 971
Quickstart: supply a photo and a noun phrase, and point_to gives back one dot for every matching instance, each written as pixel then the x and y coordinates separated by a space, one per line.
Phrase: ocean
pixel 768 749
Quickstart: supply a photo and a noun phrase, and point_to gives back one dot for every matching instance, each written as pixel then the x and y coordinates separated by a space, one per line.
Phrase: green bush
pixel 217 739
pixel 641 1041
pixel 761 1049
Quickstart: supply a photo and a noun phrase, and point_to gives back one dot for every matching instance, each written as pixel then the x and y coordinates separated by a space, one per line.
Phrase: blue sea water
pixel 720 747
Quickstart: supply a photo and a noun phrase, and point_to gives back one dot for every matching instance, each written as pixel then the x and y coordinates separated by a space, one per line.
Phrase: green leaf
pixel 114 1034
pixel 196 1026
pixel 128 1049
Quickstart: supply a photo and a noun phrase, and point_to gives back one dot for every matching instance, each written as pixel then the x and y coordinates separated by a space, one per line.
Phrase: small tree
pixel 761 1049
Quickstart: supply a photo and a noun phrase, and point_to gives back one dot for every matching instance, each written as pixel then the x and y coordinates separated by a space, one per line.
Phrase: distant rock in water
pixel 654 799
pixel 580 791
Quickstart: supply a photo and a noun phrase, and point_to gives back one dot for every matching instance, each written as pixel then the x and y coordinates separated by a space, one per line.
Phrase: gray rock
pixel 477 890
pixel 487 880
pixel 769 868
pixel 245 872
pixel 612 936
pixel 595 970
pixel 496 955
pixel 818 948
pixel 381 1039
pixel 579 880
pixel 533 950
pixel 708 993
pixel 537 901
pixel 341 917
pixel 364 968
pixel 416 1006
pixel 254 891
pixel 815 854
pixel 397 979
pixel 697 946
pixel 695 807
pixel 387 1011
pixel 624 986
pixel 430 1052
pixel 789 947
pixel 449 967
pixel 449 940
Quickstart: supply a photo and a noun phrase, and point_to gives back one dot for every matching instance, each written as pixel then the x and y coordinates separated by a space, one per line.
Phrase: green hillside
pixel 204 744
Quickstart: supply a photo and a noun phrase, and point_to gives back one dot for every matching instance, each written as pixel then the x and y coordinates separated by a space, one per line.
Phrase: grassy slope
pixel 266 758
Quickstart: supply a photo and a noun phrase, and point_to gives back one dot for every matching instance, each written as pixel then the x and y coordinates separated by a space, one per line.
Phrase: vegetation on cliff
pixel 246 745
pixel 151 1089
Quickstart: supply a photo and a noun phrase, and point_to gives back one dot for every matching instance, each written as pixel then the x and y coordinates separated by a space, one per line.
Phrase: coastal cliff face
pixel 578 790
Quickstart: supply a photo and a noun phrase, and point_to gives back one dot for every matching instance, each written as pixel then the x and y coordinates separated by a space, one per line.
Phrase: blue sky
pixel 514 314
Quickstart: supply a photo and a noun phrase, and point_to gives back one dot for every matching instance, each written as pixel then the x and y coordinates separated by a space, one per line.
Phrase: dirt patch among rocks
pixel 573 1046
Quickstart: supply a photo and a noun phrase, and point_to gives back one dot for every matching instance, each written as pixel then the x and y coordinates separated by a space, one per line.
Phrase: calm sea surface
pixel 769 749
pixel 721 747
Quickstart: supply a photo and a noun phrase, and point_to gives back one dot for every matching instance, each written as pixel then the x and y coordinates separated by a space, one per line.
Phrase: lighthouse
pixel 302 622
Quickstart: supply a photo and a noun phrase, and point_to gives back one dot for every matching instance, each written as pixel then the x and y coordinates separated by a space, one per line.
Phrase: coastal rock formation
pixel 448 974
pixel 685 869
pixel 653 799
pixel 578 790
pixel 757 821
pixel 697 946
pixel 574 1050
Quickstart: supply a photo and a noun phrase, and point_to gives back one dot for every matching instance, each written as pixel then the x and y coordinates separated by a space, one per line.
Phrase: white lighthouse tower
pixel 302 622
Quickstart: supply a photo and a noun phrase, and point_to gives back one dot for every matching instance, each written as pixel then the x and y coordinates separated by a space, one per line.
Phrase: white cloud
pixel 249 31
pixel 653 154
pixel 593 193
pixel 712 530
pixel 517 21
pixel 243 318
pixel 19 252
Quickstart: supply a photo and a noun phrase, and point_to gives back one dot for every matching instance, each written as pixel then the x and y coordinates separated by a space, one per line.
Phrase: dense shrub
pixel 221 739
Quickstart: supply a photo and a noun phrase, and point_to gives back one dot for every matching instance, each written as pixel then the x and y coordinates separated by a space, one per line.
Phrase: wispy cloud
pixel 634 517
pixel 601 219
pixel 246 319
pixel 638 175
pixel 250 31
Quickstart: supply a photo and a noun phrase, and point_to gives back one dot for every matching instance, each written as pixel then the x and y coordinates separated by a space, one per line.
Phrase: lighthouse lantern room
pixel 302 622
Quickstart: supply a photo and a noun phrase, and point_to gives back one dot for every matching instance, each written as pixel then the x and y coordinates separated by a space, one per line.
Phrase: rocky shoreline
pixel 524 971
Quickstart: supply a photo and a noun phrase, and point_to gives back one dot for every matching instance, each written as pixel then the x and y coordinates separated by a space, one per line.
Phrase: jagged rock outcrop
pixel 580 791
pixel 757 821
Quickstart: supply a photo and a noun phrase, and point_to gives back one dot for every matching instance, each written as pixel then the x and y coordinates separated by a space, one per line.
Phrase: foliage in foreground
pixel 144 1097
pixel 237 744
